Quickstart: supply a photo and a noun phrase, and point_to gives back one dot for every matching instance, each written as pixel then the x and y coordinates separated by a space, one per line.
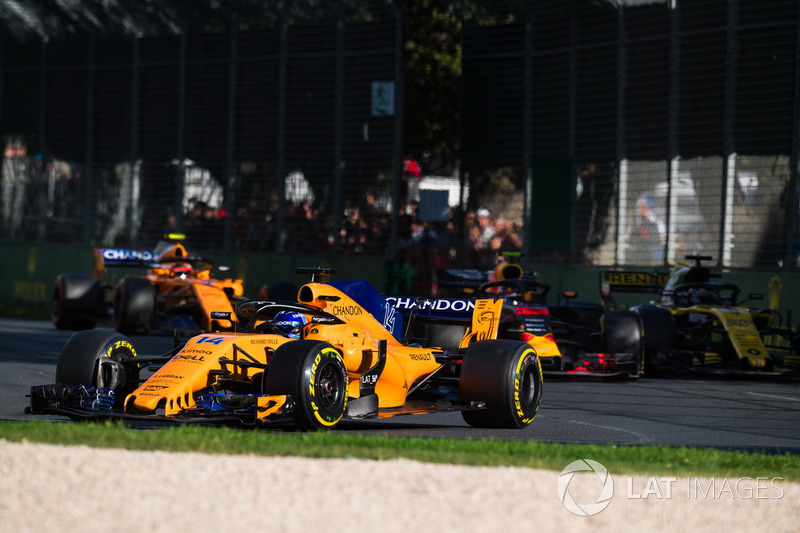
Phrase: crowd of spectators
pixel 364 230
pixel 426 244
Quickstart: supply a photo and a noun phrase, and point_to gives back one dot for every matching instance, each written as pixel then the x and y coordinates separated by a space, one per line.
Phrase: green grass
pixel 644 460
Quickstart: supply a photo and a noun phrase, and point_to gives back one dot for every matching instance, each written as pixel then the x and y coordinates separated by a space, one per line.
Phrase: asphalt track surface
pixel 747 414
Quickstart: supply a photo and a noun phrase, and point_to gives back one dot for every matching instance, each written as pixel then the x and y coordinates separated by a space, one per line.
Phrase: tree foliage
pixel 433 72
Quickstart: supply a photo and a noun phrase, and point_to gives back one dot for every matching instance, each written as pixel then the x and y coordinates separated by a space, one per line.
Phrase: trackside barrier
pixel 27 272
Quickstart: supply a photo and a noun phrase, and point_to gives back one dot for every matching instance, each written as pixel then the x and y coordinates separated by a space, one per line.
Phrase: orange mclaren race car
pixel 177 292
pixel 339 352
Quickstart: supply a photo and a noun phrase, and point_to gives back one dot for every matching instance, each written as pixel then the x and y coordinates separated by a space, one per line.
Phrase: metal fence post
pixel 527 170
pixel 230 163
pixel 88 171
pixel 2 81
pixel 672 118
pixel 180 169
pixel 337 137
pixel 728 141
pixel 280 167
pixel 397 168
pixel 42 189
pixel 133 219
pixel 622 163
pixel 793 200
pixel 572 74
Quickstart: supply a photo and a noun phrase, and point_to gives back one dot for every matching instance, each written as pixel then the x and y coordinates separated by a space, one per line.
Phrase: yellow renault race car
pixel 699 325
pixel 177 291
pixel 339 352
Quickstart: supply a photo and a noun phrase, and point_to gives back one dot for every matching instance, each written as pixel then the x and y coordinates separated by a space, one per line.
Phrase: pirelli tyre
pixel 446 336
pixel 314 375
pixel 133 298
pixel 506 376
pixel 659 329
pixel 622 337
pixel 77 301
pixel 95 358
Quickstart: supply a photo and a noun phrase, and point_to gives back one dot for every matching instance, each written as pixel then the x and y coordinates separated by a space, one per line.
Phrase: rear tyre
pixel 622 334
pixel 133 297
pixel 77 300
pixel 445 336
pixel 659 330
pixel 95 358
pixel 314 375
pixel 507 377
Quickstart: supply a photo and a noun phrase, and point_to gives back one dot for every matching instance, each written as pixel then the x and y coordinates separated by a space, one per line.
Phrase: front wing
pixel 81 402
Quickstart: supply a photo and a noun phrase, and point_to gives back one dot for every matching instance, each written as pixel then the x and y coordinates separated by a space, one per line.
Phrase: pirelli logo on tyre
pixel 323 396
pixel 528 356
pixel 120 345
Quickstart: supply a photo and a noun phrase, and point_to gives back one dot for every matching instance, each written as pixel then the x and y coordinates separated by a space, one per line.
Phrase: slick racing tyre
pixel 77 300
pixel 314 375
pixel 622 334
pixel 445 336
pixel 94 358
pixel 658 325
pixel 507 377
pixel 132 298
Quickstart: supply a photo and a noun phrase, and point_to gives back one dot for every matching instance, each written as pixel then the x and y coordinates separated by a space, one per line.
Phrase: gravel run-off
pixel 47 488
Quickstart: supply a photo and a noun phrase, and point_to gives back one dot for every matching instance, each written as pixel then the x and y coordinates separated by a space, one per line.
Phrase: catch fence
pixel 623 133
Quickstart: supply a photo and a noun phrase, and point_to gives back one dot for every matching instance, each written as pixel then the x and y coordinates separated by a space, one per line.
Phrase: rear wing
pixel 165 251
pixel 118 257
pixel 445 307
pixel 480 316
pixel 125 258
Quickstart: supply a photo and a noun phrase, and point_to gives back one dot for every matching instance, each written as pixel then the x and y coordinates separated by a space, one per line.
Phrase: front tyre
pixel 622 336
pixel 314 375
pixel 507 377
pixel 660 335
pixel 77 300
pixel 96 358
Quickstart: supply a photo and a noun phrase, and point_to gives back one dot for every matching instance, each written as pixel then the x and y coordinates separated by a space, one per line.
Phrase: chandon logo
pixel 404 304
pixel 602 482
pixel 113 255
pixel 347 310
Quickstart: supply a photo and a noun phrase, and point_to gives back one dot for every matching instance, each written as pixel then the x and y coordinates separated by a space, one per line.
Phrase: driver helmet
pixel 290 323
pixel 183 270
pixel 703 297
